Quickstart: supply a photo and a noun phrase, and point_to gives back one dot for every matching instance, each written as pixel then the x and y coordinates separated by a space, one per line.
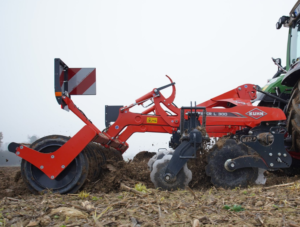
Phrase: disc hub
pixel 169 178
pixel 229 165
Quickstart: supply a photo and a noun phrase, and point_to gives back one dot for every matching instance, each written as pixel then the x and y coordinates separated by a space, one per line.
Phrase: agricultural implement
pixel 253 138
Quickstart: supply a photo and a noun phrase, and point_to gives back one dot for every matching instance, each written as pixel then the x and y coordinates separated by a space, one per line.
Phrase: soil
pixel 105 203
pixel 11 183
pixel 114 173
pixel 202 130
pixel 143 156
pixel 220 143
pixel 265 138
pixel 197 166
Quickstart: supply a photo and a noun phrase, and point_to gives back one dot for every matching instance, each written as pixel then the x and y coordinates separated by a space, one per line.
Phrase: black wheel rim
pixel 63 183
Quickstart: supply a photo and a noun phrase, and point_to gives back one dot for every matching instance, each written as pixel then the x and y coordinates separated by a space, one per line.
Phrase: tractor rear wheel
pixel 69 180
pixel 220 177
pixel 293 118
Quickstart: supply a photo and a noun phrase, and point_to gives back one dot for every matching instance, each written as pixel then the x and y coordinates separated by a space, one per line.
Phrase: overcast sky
pixel 206 47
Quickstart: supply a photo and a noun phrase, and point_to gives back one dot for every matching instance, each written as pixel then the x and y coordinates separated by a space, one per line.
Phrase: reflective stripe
pixel 91 90
pixel 79 77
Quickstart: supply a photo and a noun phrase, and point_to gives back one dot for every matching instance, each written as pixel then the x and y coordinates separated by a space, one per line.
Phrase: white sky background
pixel 206 47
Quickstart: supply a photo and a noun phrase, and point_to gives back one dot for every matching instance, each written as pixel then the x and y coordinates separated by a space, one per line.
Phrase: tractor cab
pixel 293 49
pixel 277 91
pixel 294 44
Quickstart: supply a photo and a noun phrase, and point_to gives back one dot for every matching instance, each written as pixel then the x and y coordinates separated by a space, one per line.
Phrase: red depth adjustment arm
pixel 128 122
pixel 107 140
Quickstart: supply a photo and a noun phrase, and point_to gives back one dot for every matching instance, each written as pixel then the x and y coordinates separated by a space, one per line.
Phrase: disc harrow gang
pixel 220 176
pixel 181 180
pixel 158 156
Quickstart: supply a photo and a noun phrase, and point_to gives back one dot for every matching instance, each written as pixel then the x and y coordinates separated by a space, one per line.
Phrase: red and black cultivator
pixel 253 138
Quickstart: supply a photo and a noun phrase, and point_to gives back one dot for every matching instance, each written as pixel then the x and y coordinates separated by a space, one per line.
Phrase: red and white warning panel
pixel 81 81
pixel 76 81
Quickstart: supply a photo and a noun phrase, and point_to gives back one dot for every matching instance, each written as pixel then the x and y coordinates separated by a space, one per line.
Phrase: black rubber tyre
pixel 98 155
pixel 220 177
pixel 95 161
pixel 183 178
pixel 69 180
pixel 110 153
pixel 294 168
pixel 293 118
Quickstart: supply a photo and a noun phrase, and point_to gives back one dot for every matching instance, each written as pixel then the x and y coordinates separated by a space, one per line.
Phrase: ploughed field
pixel 117 200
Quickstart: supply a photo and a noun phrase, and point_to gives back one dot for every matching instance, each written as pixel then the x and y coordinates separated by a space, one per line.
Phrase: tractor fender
pixel 292 76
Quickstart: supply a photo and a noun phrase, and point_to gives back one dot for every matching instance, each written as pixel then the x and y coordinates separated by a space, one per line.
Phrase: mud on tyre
pixel 293 118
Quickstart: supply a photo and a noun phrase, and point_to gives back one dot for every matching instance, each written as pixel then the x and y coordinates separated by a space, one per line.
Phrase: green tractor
pixel 274 93
pixel 292 76
pixel 283 90
pixel 284 82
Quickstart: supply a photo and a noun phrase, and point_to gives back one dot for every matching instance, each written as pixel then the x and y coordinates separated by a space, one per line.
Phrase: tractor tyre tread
pixel 293 119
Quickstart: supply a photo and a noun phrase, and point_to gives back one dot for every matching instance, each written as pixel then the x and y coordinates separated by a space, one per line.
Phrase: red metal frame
pixel 226 114
pixel 235 106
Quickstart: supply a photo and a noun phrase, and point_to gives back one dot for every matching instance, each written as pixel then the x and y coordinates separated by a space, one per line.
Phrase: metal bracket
pixel 189 143
pixel 111 114
pixel 249 161
pixel 273 96
pixel 275 155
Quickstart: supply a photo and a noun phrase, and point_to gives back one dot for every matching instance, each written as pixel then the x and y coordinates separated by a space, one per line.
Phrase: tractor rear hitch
pixel 272 96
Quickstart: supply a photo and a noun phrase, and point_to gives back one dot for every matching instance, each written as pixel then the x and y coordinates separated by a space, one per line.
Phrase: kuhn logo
pixel 256 113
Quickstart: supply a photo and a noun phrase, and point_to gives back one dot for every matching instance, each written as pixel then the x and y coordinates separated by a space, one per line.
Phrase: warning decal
pixel 152 120
pixel 81 81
